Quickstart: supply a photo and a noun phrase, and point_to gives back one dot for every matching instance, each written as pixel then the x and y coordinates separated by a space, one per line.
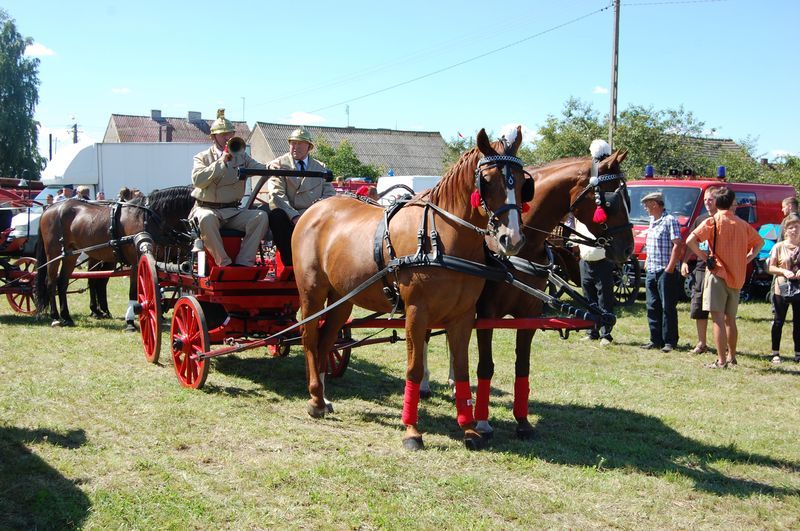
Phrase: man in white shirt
pixel 597 281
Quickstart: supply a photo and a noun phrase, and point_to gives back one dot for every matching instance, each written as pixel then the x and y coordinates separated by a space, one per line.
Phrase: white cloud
pixel 38 50
pixel 121 90
pixel 304 118
pixel 599 90
pixel 780 154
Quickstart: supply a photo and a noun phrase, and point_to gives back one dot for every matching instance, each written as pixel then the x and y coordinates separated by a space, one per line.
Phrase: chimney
pixel 194 116
pixel 155 114
pixel 764 162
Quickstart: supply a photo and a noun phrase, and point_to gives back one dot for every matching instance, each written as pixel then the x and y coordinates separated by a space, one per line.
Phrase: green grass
pixel 93 436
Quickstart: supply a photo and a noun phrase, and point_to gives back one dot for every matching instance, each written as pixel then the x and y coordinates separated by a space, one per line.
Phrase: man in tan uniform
pixel 289 197
pixel 218 191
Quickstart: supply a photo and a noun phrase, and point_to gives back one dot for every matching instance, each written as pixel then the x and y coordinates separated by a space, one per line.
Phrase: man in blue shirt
pixel 663 247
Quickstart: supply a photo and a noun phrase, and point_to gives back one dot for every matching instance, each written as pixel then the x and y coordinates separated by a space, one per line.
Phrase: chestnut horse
pixel 563 186
pixel 76 224
pixel 340 244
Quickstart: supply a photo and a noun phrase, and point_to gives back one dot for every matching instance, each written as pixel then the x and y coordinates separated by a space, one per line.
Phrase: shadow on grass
pixel 286 376
pixel 612 438
pixel 32 494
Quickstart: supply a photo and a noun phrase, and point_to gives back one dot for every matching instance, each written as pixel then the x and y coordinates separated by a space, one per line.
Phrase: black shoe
pixel 667 348
pixel 651 346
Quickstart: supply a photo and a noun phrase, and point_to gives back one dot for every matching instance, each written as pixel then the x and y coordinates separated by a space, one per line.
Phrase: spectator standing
pixel 784 263
pixel 663 247
pixel 64 194
pixel 48 200
pixel 101 196
pixel 597 281
pixel 788 206
pixel 696 311
pixel 733 243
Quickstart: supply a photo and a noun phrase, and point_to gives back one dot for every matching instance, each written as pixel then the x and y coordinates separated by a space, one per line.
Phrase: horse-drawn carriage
pixel 348 257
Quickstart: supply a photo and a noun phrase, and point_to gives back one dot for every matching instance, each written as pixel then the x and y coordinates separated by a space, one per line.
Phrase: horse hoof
pixel 69 323
pixel 487 435
pixel 56 323
pixel 425 394
pixel 316 412
pixel 525 433
pixel 475 443
pixel 329 406
pixel 412 444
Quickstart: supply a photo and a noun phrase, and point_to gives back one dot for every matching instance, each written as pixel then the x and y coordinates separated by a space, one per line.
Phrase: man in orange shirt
pixel 732 243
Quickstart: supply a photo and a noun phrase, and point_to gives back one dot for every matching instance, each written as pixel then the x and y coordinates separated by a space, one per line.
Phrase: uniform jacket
pixel 294 195
pixel 217 182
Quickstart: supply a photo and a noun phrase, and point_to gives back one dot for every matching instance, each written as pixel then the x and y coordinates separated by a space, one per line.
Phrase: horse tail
pixel 41 294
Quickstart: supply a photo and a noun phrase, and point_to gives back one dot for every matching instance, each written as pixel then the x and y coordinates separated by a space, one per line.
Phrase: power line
pixel 671 2
pixel 471 59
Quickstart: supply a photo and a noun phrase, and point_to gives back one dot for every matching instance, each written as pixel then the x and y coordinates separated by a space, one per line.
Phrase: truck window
pixel 746 206
pixel 678 201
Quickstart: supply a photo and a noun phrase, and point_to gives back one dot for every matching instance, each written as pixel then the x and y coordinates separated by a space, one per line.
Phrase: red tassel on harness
pixel 475 199
pixel 599 215
pixel 410 404
pixel 482 399
pixel 526 207
pixel 521 392
pixel 464 404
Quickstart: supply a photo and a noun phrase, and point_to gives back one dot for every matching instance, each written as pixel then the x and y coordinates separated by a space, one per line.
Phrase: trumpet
pixel 235 145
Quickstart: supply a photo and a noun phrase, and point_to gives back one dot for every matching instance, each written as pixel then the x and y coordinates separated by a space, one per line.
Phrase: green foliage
pixel 19 94
pixel 569 135
pixel 343 161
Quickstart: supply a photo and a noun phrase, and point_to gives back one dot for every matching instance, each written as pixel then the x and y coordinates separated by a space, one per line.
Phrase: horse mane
pixel 451 186
pixel 160 201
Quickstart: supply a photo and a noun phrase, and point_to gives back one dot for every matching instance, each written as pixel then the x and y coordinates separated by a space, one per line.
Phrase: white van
pixel 394 186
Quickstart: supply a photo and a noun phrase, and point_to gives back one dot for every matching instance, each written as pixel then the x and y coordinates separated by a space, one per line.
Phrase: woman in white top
pixel 784 263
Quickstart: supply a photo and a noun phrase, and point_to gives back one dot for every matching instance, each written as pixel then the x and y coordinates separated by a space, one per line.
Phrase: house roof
pixel 404 152
pixel 155 128
pixel 714 147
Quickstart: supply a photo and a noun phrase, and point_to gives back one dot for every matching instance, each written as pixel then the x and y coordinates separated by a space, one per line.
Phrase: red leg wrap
pixel 410 404
pixel 464 403
pixel 482 400
pixel 521 392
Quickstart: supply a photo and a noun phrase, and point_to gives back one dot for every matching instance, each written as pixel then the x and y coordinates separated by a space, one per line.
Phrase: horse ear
pixel 622 155
pixel 517 142
pixel 482 141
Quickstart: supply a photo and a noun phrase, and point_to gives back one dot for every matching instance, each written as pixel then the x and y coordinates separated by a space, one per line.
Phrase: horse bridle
pixel 508 163
pixel 611 202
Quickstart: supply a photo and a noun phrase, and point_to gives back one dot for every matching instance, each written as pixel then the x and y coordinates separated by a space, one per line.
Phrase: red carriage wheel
pixel 339 358
pixel 149 299
pixel 189 334
pixel 23 302
pixel 278 351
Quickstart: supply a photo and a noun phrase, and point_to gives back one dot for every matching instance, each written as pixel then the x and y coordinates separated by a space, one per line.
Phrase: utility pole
pixel 612 115
pixel 347 112
pixel 243 119
pixel 75 133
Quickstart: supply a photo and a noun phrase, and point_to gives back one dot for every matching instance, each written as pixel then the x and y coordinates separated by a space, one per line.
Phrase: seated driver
pixel 289 197
pixel 218 192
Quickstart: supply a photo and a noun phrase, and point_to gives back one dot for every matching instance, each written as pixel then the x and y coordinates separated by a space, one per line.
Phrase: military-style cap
pixel 655 196
pixel 300 134
pixel 222 124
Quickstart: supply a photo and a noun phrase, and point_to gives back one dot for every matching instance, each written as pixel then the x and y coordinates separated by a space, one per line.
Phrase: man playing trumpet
pixel 218 193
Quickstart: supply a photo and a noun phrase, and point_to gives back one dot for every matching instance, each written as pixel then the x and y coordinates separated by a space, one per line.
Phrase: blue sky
pixel 733 63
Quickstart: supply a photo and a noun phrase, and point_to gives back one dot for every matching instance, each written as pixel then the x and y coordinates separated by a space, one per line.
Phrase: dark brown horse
pixel 334 245
pixel 76 224
pixel 562 186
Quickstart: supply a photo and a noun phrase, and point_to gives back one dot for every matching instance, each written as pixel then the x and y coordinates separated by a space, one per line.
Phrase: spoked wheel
pixel 149 300
pixel 23 302
pixel 189 335
pixel 627 279
pixel 339 358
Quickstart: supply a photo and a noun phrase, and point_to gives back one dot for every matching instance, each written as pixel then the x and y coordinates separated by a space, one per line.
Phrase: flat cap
pixel 655 196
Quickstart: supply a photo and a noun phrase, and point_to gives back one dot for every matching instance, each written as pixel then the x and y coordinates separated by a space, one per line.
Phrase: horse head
pixel 165 212
pixel 502 188
pixel 600 200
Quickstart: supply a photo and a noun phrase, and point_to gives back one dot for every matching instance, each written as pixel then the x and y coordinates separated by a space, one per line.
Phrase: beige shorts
pixel 718 297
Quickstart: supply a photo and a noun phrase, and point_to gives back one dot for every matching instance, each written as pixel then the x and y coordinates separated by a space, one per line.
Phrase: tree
pixel 343 161
pixel 569 135
pixel 19 94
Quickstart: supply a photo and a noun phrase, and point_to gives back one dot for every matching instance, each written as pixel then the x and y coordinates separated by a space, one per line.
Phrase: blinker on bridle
pixel 508 164
pixel 605 205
